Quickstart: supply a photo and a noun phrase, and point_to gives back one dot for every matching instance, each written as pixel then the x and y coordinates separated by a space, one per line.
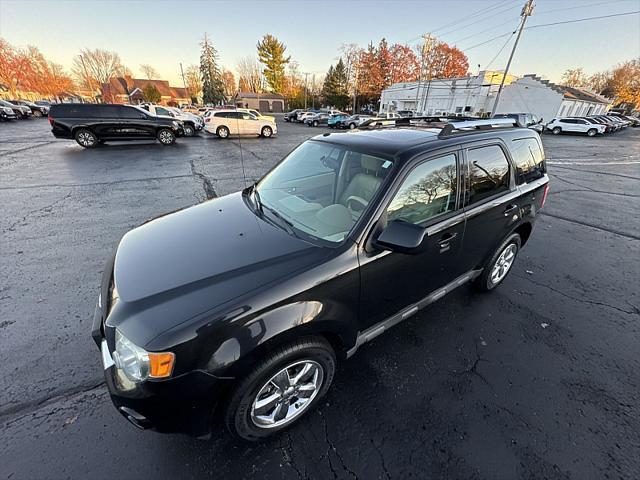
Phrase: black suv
pixel 92 124
pixel 243 304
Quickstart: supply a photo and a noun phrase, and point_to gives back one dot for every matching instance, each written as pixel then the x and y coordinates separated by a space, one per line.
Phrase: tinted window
pixel 108 111
pixel 127 112
pixel 529 160
pixel 488 172
pixel 428 191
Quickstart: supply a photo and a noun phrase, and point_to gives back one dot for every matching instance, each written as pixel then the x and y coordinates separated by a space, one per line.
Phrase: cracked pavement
pixel 473 387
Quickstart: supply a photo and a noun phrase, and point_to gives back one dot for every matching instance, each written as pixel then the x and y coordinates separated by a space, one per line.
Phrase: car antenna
pixel 244 176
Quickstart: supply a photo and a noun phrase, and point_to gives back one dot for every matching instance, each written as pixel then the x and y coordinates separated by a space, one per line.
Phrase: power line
pixel 609 2
pixel 510 7
pixel 500 51
pixel 471 15
pixel 483 31
pixel 584 19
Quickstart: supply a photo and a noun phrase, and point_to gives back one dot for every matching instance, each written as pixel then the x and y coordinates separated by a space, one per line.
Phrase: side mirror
pixel 401 237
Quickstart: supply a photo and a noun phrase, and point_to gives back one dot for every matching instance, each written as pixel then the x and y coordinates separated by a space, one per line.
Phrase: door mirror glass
pixel 401 237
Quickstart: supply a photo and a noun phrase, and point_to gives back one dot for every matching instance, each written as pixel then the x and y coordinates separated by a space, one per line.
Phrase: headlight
pixel 175 124
pixel 139 365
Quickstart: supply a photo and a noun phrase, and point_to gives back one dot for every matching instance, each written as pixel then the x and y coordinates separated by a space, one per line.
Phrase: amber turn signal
pixel 161 364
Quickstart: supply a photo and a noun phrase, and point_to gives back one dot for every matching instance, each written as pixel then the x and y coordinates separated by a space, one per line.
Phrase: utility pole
pixel 305 90
pixel 425 38
pixel 526 12
pixel 429 41
pixel 184 82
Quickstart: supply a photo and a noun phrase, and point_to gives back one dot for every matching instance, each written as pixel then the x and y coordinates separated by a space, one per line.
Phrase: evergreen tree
pixel 151 93
pixel 335 87
pixel 212 84
pixel 271 54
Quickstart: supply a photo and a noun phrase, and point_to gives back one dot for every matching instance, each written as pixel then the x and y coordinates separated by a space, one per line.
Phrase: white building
pixel 475 96
pixel 531 94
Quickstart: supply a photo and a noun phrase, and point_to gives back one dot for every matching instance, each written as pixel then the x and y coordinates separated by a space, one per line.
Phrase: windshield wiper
pixel 261 207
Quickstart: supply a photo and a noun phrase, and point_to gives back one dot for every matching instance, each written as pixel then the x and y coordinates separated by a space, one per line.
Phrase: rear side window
pixel 428 191
pixel 130 112
pixel 488 173
pixel 529 159
pixel 74 111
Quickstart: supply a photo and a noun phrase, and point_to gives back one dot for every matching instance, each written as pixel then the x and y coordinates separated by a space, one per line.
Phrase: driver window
pixel 248 116
pixel 429 190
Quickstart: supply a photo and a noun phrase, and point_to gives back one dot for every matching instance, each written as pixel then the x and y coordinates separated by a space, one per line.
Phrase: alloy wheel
pixel 503 264
pixel 287 394
pixel 86 139
pixel 166 137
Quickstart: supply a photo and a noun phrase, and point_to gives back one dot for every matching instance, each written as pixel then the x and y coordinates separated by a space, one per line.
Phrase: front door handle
pixel 510 209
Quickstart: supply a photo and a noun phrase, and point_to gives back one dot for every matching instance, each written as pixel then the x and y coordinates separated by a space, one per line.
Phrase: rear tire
pixel 266 132
pixel 37 113
pixel 315 123
pixel 222 132
pixel 352 126
pixel 166 137
pixel 500 264
pixel 86 138
pixel 241 414
pixel 556 130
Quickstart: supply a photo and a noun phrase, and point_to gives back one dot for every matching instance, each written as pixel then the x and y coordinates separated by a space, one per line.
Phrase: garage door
pixel 264 106
pixel 277 106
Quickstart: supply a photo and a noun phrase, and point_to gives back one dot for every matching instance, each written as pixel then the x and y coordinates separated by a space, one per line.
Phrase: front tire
pixel 500 264
pixel 37 113
pixel 266 132
pixel 166 137
pixel 352 126
pixel 86 138
pixel 189 130
pixel 592 132
pixel 281 389
pixel 315 123
pixel 556 130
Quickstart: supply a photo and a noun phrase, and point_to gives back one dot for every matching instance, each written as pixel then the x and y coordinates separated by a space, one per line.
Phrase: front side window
pixel 322 189
pixel 163 111
pixel 488 172
pixel 429 190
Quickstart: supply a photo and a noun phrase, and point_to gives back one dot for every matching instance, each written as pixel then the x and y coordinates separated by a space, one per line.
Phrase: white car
pixel 191 125
pixel 256 113
pixel 575 125
pixel 187 116
pixel 302 116
pixel 233 122
pixel 388 115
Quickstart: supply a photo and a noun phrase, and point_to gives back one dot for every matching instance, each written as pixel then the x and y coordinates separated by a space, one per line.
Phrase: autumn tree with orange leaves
pixel 26 70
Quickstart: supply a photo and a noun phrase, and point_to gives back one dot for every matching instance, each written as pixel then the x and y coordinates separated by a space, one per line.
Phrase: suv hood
pixel 220 246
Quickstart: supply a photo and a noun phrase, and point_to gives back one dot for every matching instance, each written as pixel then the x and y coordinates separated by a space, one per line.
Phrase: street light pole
pixel 527 10
pixel 184 82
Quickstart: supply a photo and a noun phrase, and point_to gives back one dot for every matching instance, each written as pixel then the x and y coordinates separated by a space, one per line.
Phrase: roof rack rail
pixel 468 126
pixel 449 125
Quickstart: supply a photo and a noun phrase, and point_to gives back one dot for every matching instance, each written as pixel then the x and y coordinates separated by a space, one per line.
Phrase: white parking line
pixel 628 162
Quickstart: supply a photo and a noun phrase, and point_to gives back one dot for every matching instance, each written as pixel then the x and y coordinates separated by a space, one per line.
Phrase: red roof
pixel 126 85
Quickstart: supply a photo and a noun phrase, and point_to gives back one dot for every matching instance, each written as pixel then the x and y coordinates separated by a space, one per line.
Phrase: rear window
pixel 488 173
pixel 529 159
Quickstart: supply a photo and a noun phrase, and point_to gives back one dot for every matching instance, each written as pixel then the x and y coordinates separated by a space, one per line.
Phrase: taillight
pixel 50 119
pixel 544 195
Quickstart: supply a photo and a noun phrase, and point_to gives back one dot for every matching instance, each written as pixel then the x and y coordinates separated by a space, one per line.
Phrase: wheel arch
pixel 254 339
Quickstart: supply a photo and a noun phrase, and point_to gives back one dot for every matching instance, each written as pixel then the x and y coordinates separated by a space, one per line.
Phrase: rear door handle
pixel 510 209
pixel 445 241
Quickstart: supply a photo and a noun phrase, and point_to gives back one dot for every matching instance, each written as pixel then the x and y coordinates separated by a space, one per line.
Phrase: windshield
pixel 322 189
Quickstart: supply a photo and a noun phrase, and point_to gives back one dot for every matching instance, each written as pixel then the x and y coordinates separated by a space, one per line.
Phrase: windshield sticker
pixel 386 164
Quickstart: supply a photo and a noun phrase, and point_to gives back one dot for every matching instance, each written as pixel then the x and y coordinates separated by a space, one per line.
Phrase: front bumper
pixel 183 404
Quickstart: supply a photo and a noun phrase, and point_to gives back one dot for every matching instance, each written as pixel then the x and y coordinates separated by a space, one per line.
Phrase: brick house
pixel 130 90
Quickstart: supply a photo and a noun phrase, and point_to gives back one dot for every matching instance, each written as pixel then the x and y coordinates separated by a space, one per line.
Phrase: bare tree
pixel 148 71
pixel 92 68
pixel 194 84
pixel 250 75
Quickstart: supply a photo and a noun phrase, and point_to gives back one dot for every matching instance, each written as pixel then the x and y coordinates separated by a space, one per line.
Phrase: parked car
pixel 292 116
pixel 528 120
pixel 317 119
pixel 633 121
pixel 574 125
pixel 92 124
pixel 191 124
pixel 224 123
pixel 21 111
pixel 302 116
pixel 354 121
pixel 242 305
pixel 623 122
pixel 335 121
pixel 405 113
pixel 44 103
pixel 256 113
pixel 609 125
pixel 36 110
pixel 7 113
pixel 387 115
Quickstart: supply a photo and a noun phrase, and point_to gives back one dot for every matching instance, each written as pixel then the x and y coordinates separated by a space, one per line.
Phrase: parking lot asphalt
pixel 538 379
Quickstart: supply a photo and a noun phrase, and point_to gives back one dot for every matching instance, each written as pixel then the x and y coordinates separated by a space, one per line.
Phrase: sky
pixel 164 33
